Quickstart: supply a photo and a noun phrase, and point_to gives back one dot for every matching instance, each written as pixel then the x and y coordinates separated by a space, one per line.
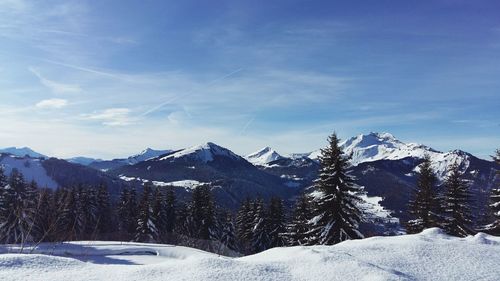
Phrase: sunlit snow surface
pixel 430 255
pixel 31 168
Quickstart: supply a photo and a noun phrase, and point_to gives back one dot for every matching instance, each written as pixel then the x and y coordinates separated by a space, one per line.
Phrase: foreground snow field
pixel 429 255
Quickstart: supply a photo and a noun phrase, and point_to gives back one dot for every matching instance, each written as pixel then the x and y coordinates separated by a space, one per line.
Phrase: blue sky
pixel 109 78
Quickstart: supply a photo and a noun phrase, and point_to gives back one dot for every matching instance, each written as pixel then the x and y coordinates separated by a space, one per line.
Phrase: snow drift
pixel 430 255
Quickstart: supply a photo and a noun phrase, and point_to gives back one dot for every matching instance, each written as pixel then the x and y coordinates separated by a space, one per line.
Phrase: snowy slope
pixel 263 156
pixel 31 168
pixel 204 153
pixel 22 151
pixel 429 255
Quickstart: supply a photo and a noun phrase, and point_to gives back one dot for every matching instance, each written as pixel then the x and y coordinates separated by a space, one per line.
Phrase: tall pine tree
pixel 244 225
pixel 276 223
pixel 146 229
pixel 104 216
pixel 18 208
pixel 424 207
pixel 298 228
pixel 456 204
pixel 260 232
pixel 160 216
pixel 337 215
pixel 494 206
pixel 170 213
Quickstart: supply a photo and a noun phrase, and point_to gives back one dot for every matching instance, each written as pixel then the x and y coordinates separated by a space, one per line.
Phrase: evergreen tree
pixel 7 197
pixel 200 222
pixel 104 215
pixel 424 207
pixel 244 225
pixel 124 219
pixel 228 233
pixel 276 223
pixel 337 215
pixel 18 207
pixel 494 206
pixel 68 219
pixel 456 204
pixel 160 215
pixel 86 204
pixel 60 228
pixel 170 212
pixel 30 205
pixel 260 233
pixel 45 224
pixel 298 228
pixel 146 229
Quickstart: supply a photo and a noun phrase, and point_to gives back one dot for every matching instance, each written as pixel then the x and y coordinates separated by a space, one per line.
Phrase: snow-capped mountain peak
pixel 263 157
pixel 205 153
pixel 22 151
pixel 382 146
pixel 147 154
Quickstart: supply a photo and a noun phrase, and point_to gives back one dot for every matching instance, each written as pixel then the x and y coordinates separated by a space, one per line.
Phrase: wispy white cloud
pixel 56 87
pixel 52 104
pixel 111 117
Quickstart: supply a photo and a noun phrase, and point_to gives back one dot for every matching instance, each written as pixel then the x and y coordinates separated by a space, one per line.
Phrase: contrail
pixel 246 126
pixel 82 68
pixel 189 93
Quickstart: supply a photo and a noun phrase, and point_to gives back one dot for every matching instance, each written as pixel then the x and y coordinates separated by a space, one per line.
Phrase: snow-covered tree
pixel 7 196
pixel 227 231
pixel 276 223
pixel 201 222
pixel 124 219
pixel 86 227
pixel 244 225
pixel 494 206
pixel 457 219
pixel 103 212
pixel 424 207
pixel 170 211
pixel 68 218
pixel 45 219
pixel 336 212
pixel 298 228
pixel 260 233
pixel 160 214
pixel 17 209
pixel 146 229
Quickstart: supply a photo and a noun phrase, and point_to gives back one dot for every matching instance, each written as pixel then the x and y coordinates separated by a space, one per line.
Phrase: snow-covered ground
pixel 429 255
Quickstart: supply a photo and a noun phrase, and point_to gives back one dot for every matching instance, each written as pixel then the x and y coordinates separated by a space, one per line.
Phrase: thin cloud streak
pixel 189 93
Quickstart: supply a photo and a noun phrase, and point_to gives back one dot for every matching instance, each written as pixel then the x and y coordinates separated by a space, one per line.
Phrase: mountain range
pixel 385 166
